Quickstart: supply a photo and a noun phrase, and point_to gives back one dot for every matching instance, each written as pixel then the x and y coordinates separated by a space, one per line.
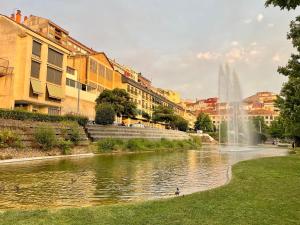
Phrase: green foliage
pixel 45 137
pixel 24 115
pixel 70 131
pixel 109 144
pixel 140 144
pixel 289 101
pixel 204 123
pixel 64 146
pixel 277 128
pixel 180 123
pixel 259 124
pixel 163 114
pixel 120 101
pixel 9 138
pixel 284 4
pixel 146 116
pixel 223 132
pixel 105 114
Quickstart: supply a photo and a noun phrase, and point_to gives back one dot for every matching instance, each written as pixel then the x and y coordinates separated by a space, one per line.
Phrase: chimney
pixel 12 16
pixel 25 18
pixel 18 16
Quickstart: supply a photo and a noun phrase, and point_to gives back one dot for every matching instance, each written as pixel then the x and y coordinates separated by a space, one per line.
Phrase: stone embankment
pixel 98 132
pixel 26 129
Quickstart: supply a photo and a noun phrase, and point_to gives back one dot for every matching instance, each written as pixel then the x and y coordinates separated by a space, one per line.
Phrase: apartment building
pixel 37 83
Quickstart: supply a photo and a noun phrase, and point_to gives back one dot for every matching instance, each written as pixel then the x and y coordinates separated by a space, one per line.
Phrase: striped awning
pixel 36 86
pixel 55 91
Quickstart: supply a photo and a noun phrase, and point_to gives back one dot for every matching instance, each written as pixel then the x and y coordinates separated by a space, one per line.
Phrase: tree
pixel 259 124
pixel 105 114
pixel 163 114
pixel 120 101
pixel 277 128
pixel 204 123
pixel 289 100
pixel 223 135
pixel 180 123
pixel 146 116
pixel 283 4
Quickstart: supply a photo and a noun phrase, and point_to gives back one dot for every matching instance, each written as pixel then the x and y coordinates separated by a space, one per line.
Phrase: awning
pixel 36 86
pixel 55 91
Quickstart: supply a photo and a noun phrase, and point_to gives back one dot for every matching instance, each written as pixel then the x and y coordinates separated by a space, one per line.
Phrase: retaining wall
pixel 26 129
pixel 97 132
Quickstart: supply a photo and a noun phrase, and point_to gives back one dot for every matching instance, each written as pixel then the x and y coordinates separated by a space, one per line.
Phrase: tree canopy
pixel 204 123
pixel 120 101
pixel 289 101
pixel 283 4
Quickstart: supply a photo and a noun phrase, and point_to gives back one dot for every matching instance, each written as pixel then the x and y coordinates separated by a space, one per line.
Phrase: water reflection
pixel 118 178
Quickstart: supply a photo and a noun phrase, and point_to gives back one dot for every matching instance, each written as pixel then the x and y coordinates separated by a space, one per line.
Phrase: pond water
pixel 113 179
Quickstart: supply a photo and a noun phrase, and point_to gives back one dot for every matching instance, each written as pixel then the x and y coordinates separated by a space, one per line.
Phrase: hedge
pixel 24 115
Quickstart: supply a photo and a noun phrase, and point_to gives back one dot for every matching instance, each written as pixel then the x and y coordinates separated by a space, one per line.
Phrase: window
pixel 70 71
pixel 101 70
pixel 93 66
pixel 71 83
pixel 31 93
pixel 35 69
pixel 54 76
pixel 36 48
pixel 53 111
pixel 109 74
pixel 55 58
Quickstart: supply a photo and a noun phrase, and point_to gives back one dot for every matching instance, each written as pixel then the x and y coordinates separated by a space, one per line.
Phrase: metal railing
pixel 5 69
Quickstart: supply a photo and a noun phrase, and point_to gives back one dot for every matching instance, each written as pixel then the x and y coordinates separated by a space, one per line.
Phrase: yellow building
pixel 170 94
pixel 37 83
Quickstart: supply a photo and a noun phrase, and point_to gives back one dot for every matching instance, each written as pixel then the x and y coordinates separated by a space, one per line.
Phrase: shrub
pixel 109 144
pixel 24 115
pixel 70 131
pixel 136 144
pixel 45 137
pixel 64 146
pixel 9 138
pixel 105 114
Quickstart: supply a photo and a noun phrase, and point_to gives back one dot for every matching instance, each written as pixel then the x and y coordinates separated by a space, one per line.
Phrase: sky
pixel 177 44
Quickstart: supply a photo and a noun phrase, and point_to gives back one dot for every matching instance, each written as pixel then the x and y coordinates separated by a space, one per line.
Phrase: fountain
pixel 233 127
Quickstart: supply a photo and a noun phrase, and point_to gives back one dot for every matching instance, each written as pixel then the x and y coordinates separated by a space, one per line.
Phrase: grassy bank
pixel 263 191
pixel 137 144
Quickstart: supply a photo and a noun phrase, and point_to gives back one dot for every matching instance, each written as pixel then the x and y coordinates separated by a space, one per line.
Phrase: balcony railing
pixel 5 69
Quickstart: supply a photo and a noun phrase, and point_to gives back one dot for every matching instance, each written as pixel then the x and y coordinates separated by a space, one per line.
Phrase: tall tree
pixel 204 123
pixel 163 114
pixel 120 100
pixel 289 101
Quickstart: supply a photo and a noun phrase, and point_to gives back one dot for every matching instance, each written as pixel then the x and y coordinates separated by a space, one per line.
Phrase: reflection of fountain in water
pixel 235 126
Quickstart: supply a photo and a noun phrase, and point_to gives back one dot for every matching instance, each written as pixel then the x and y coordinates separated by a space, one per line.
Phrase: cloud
pixel 208 55
pixel 234 54
pixel 276 58
pixel 254 43
pixel 247 21
pixel 271 25
pixel 234 43
pixel 260 17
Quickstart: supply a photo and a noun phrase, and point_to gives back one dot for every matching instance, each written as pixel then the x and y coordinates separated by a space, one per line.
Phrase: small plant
pixel 135 144
pixel 9 138
pixel 45 137
pixel 108 145
pixel 70 131
pixel 65 146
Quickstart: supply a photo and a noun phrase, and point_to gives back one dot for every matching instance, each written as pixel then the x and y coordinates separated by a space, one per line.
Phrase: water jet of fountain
pixel 232 115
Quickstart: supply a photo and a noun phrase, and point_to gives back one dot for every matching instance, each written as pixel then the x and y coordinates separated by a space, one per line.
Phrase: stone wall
pixel 26 130
pixel 97 132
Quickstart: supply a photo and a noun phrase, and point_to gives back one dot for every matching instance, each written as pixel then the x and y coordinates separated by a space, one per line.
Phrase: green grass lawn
pixel 263 191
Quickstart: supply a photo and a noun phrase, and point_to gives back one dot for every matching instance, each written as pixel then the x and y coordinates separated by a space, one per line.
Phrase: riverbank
pixel 262 191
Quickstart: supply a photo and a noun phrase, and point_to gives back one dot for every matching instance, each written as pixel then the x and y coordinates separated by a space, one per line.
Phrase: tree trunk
pixel 297 141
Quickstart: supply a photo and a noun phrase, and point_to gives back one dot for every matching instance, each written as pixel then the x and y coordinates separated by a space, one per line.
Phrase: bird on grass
pixel 177 192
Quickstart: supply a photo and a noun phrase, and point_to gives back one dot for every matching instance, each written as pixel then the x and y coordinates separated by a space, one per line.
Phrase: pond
pixel 110 179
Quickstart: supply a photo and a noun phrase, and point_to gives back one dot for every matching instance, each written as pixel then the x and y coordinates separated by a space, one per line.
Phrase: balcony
pixel 4 68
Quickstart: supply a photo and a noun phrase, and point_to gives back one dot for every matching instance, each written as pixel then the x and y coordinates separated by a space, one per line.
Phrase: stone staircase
pixel 98 132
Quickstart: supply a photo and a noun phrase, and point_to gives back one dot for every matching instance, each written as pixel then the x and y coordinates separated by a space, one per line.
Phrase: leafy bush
pixel 70 131
pixel 65 146
pixel 24 115
pixel 135 144
pixel 9 138
pixel 109 144
pixel 105 114
pixel 45 137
